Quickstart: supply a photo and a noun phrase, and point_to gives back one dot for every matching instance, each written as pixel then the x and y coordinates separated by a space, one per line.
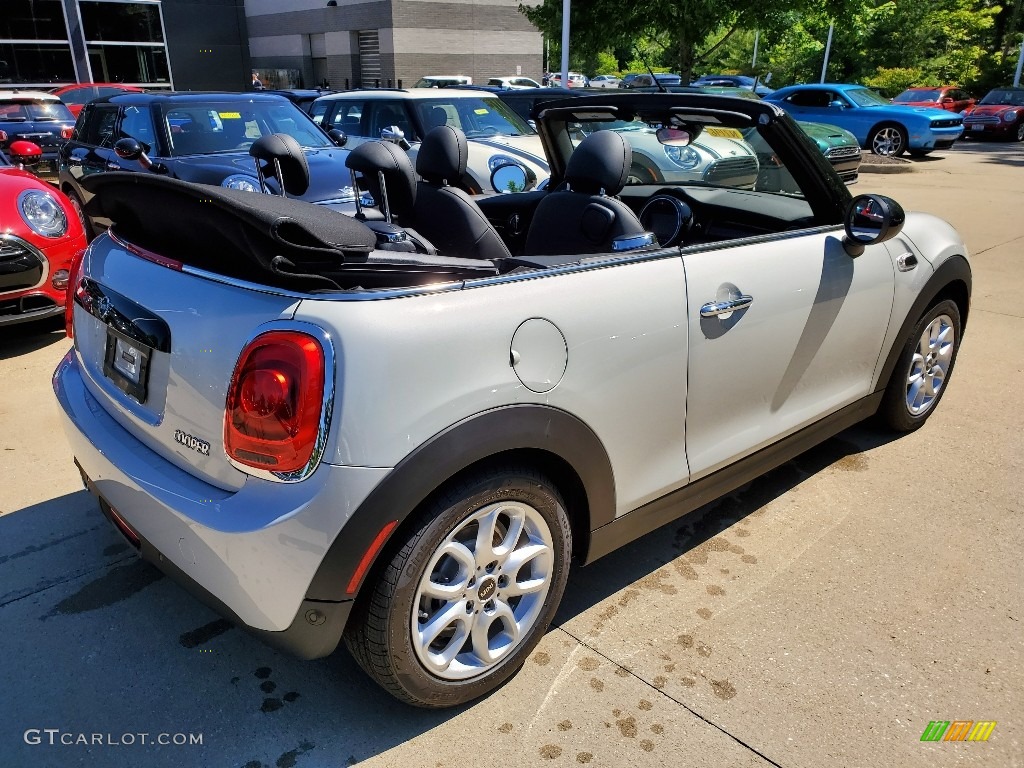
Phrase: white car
pixel 513 82
pixel 604 81
pixel 497 135
pixel 327 429
pixel 443 81
pixel 576 80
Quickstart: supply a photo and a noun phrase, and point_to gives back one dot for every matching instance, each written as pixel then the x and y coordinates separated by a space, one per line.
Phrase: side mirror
pixel 395 135
pixel 837 104
pixel 25 153
pixel 128 149
pixel 338 137
pixel 132 149
pixel 511 177
pixel 871 219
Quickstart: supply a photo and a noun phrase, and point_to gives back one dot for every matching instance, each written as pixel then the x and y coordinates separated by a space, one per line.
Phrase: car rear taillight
pixel 67 133
pixel 74 282
pixel 272 414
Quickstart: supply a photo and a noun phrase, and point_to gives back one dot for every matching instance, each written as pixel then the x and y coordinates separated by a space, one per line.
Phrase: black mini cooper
pixel 198 137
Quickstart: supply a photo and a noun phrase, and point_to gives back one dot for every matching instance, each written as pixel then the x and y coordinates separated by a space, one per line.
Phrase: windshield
pixel 24 110
pixel 478 118
pixel 203 128
pixel 722 155
pixel 862 97
pixel 918 95
pixel 1004 96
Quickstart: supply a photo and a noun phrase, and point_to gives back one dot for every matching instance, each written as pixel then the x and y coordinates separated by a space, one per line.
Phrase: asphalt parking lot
pixel 821 616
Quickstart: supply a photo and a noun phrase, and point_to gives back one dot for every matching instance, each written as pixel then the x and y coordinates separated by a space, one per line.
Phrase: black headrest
pixel 288 153
pixel 437 116
pixel 372 157
pixel 443 155
pixel 601 161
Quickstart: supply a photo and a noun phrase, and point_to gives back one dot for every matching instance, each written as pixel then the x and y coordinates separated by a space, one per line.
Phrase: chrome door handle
pixel 715 308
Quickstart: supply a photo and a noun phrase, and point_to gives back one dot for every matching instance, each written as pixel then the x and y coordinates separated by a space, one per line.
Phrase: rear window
pixel 25 110
pixel 203 128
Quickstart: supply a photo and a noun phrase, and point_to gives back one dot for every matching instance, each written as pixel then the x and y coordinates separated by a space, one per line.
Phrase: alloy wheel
pixel 483 590
pixel 887 141
pixel 930 364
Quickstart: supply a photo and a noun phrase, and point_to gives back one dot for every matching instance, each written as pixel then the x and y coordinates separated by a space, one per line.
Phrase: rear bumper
pixel 250 554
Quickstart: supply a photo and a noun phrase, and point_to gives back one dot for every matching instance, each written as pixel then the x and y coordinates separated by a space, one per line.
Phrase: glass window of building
pixel 125 42
pixel 34 48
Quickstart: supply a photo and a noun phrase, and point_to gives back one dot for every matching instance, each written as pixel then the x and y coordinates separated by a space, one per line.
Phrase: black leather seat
pixel 582 216
pixel 388 175
pixel 444 214
pixel 430 210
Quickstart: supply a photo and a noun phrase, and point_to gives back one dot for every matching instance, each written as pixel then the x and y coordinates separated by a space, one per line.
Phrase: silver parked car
pixel 402 429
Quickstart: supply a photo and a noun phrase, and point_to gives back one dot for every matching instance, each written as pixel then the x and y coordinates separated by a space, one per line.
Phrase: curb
pixel 887 168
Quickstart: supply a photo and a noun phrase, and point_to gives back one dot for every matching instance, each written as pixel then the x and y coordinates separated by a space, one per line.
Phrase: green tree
pixel 688 32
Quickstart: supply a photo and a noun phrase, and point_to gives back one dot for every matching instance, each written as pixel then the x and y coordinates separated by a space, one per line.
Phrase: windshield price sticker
pixel 230 115
pixel 724 133
pixel 480 111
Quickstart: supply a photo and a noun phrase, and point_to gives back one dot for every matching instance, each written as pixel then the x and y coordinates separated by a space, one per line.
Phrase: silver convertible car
pixel 401 428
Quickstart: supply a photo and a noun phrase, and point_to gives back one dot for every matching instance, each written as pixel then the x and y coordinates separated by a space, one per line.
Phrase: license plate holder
pixel 126 364
pixel 977 127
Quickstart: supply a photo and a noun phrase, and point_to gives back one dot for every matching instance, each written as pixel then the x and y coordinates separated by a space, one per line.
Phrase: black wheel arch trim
pixel 954 270
pixel 478 438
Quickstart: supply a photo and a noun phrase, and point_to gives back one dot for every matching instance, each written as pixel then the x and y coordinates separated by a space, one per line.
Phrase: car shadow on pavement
pixel 22 338
pixel 596 582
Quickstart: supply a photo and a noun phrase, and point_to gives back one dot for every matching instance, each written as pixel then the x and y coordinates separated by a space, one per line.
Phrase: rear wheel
pixel 924 367
pixel 468 592
pixel 1020 131
pixel 888 140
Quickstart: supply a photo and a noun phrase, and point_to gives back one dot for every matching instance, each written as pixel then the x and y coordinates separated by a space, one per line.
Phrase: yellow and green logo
pixel 958 730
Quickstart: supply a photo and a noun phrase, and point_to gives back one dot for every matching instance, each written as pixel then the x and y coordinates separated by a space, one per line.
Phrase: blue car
pixel 879 125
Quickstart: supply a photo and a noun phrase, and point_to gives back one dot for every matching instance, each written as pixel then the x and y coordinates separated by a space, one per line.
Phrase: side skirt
pixel 654 514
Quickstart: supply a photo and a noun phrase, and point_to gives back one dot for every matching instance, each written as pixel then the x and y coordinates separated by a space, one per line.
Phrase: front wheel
pixel 1020 131
pixel 888 141
pixel 923 369
pixel 469 591
pixel 78 208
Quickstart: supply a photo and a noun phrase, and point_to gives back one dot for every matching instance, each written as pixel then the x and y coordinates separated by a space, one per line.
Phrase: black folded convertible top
pixel 227 231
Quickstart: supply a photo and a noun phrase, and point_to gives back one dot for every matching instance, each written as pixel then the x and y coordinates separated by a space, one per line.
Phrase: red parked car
pixel 78 95
pixel 39 236
pixel 946 97
pixel 999 115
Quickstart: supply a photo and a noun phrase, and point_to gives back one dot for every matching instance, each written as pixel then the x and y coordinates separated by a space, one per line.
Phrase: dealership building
pixel 214 44
pixel 371 42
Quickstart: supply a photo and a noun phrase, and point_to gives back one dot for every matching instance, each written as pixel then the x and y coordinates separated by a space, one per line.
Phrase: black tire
pixel 896 411
pixel 888 140
pixel 1020 131
pixel 380 630
pixel 76 206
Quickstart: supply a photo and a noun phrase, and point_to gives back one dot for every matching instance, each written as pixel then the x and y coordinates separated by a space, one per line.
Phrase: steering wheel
pixel 245 144
pixel 487 130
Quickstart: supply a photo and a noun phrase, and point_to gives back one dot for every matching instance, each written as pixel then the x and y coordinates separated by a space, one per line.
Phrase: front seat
pixel 582 216
pixel 444 214
pixel 388 175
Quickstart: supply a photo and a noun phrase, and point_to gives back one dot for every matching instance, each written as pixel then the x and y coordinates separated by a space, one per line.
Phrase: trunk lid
pixel 158 348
